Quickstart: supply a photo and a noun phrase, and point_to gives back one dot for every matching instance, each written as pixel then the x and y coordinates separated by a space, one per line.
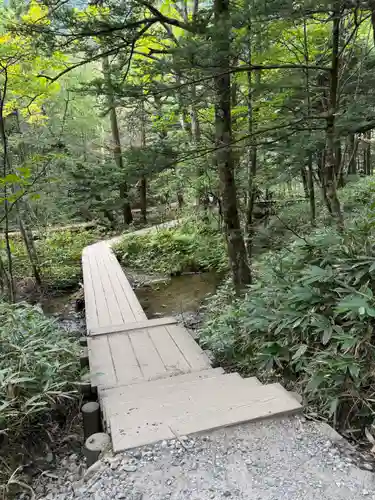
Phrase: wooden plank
pixel 174 361
pixel 127 327
pixel 270 401
pixel 101 364
pixel 90 301
pixel 138 312
pixel 168 395
pixel 206 409
pixel 125 362
pixel 144 387
pixel 126 297
pixel 111 297
pixel 101 302
pixel 148 358
pixel 193 354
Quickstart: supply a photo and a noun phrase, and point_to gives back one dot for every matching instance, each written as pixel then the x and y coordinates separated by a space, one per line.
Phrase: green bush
pixel 59 256
pixel 39 367
pixel 295 218
pixel 192 246
pixel 307 320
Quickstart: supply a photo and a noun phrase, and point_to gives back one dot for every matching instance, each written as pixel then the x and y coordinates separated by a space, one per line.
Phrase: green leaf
pixel 315 383
pixel 354 371
pixel 300 352
pixel 352 303
pixel 326 336
pixel 333 406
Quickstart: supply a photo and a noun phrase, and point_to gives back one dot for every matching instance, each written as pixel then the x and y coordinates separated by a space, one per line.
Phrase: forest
pixel 250 123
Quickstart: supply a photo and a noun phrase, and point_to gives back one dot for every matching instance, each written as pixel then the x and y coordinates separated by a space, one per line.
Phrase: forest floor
pixel 289 459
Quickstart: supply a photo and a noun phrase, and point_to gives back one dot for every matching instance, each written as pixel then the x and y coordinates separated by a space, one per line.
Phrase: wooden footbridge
pixel 153 380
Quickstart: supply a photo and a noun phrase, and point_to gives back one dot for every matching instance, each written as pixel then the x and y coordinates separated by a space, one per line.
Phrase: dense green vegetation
pixel 191 246
pixel 39 370
pixel 308 318
pixel 59 256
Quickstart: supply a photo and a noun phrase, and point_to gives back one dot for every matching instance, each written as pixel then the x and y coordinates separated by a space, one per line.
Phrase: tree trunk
pixel 143 198
pixel 5 161
pixel 304 182
pixel 117 151
pixel 253 156
pixel 331 166
pixel 31 250
pixel 241 274
pixel 367 154
pixel 23 209
pixel 201 196
pixel 310 172
pixel 143 180
pixel 339 165
pixel 311 188
pixel 353 148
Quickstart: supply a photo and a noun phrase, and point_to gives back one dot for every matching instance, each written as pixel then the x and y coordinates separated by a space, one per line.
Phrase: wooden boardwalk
pixel 154 382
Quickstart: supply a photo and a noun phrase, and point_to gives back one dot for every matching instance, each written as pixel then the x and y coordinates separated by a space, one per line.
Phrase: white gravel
pixel 269 460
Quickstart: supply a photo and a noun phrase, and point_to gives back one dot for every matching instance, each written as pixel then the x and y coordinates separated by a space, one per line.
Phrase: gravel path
pixel 270 460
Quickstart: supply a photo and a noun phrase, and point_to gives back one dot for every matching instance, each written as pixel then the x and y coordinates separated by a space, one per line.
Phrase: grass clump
pixel 39 367
pixel 308 321
pixel 191 246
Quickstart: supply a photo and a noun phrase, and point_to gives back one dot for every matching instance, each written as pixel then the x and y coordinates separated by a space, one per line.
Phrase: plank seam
pixel 111 255
pixel 114 292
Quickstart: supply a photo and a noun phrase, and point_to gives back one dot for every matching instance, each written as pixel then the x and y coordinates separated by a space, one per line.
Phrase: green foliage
pixel 294 219
pixel 192 246
pixel 308 319
pixel 60 257
pixel 39 366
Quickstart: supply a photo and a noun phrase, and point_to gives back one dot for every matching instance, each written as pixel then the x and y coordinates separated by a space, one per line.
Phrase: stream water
pixel 178 295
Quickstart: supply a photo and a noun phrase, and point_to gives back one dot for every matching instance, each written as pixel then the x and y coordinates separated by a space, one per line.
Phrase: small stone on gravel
pixel 129 468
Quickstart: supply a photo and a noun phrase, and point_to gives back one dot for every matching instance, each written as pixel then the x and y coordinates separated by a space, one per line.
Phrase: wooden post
pixel 94 446
pixel 83 341
pixel 91 419
pixel 85 388
pixel 84 358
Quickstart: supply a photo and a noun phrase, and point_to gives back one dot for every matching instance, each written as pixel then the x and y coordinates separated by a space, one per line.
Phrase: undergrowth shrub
pixel 293 219
pixel 191 246
pixel 307 320
pixel 59 256
pixel 39 367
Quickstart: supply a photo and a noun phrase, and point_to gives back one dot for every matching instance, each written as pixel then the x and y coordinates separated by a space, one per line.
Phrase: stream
pixel 178 295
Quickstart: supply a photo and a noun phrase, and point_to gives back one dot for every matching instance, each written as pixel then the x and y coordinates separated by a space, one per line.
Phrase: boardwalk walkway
pixel 154 382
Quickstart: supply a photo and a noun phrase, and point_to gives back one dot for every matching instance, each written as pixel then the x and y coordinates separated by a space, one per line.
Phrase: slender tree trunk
pixel 331 167
pixel 305 182
pixel 143 180
pixel 252 151
pixel 223 132
pixel 367 154
pixel 339 165
pixel 311 188
pixel 23 210
pixel 117 151
pixel 371 4
pixel 5 158
pixel 31 250
pixel 352 148
pixel 143 198
pixel 201 195
pixel 310 172
pixel 252 170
